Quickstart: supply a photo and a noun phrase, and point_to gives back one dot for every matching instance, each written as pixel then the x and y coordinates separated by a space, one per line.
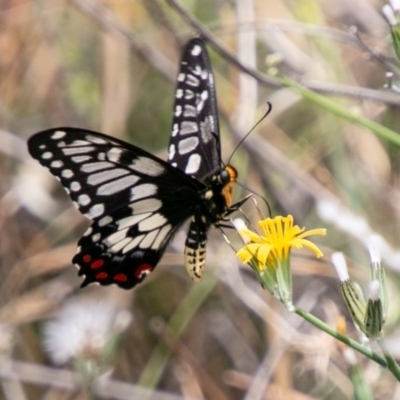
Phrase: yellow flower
pixel 269 255
pixel 279 236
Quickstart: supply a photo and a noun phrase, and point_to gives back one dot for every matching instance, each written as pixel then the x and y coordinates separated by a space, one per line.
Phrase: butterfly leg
pixel 235 207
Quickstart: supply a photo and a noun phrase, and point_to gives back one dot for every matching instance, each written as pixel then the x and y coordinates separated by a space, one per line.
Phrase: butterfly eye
pixel 224 177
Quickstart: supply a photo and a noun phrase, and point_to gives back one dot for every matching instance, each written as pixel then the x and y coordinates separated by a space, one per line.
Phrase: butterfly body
pixel 137 201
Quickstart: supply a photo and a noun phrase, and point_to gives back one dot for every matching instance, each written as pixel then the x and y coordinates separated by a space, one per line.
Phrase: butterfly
pixel 137 201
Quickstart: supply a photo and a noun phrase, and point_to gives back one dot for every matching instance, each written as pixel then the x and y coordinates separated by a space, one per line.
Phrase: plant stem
pixel 350 342
pixel 337 109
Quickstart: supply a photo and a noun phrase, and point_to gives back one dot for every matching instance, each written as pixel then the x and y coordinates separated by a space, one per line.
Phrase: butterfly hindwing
pixel 194 145
pixel 134 199
pixel 125 246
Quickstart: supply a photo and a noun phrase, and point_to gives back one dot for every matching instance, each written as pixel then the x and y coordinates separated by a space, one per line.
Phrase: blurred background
pixel 110 66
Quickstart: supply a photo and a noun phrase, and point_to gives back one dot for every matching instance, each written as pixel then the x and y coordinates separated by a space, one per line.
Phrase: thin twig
pixel 110 23
pixel 320 87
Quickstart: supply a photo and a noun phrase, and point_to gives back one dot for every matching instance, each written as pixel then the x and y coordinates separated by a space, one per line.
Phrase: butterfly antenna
pixel 251 130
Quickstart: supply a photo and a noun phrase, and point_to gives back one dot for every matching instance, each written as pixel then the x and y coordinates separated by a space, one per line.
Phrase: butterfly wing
pixel 136 201
pixel 195 141
pixel 194 145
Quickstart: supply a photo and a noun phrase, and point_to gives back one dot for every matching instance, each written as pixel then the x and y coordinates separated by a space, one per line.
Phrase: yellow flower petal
pixel 246 253
pixel 279 235
pixel 250 236
pixel 263 253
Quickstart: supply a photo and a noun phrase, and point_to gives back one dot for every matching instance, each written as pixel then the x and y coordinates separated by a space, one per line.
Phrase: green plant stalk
pixel 346 340
pixel 395 31
pixel 342 112
pixel 155 367
pixel 361 390
pixel 393 367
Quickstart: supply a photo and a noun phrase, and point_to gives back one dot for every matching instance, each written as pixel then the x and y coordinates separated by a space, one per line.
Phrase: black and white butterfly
pixel 138 201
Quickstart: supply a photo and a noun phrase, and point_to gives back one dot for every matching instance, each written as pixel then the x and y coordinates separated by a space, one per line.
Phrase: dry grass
pixel 110 66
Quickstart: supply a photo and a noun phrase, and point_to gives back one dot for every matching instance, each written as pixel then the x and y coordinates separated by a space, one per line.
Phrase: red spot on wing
pixel 87 258
pixel 120 278
pixel 97 264
pixel 101 276
pixel 143 269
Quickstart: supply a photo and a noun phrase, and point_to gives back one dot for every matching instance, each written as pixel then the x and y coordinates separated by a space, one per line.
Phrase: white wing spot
pixel 96 237
pixel 80 159
pixel 171 152
pixel 153 222
pixel 144 206
pixel 197 70
pixel 189 94
pixel 193 164
pixel 84 200
pixel 149 239
pixel 181 77
pixel 196 50
pixel 77 150
pixel 96 166
pixel 188 127
pixel 187 145
pixel 179 94
pixel 42 146
pixel 96 211
pixel 114 154
pixel 178 111
pixel 105 220
pixel 116 237
pixel 120 245
pixel 46 155
pixel 141 191
pixel 58 135
pixel 67 173
pixel 75 143
pixel 117 185
pixel 132 220
pixel 56 164
pixel 100 177
pixel 203 98
pixel 147 166
pixel 161 236
pixel 75 186
pixel 206 129
pixel 189 111
pixel 132 244
pixel 95 139
pixel 192 81
pixel 175 130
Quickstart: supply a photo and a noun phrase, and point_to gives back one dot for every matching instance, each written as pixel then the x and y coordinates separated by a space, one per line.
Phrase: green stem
pixel 350 342
pixel 336 109
pixel 393 367
pixel 177 324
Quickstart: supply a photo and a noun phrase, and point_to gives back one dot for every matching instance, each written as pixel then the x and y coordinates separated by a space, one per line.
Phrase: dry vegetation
pixel 110 65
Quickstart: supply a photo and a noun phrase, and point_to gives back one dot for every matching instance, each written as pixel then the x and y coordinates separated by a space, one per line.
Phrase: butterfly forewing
pixel 194 142
pixel 134 198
